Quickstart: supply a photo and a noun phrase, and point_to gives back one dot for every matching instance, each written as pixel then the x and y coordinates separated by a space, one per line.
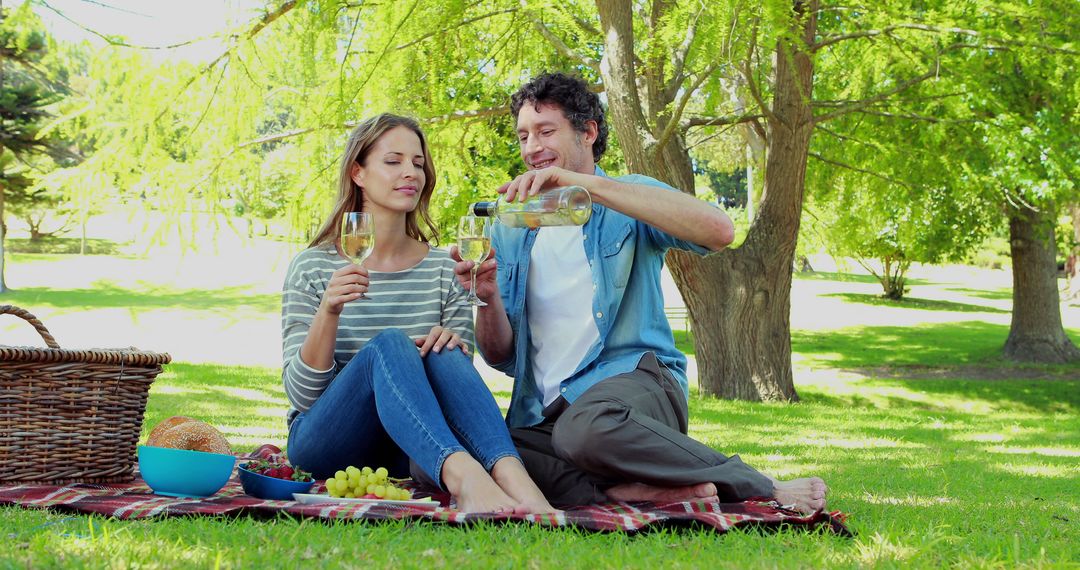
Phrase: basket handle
pixel 30 318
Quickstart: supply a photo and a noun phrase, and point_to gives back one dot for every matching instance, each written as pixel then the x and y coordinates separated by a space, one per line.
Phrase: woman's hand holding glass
pixel 357 242
pixel 346 284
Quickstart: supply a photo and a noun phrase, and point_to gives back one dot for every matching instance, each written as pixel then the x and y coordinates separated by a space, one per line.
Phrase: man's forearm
pixel 674 213
pixel 494 336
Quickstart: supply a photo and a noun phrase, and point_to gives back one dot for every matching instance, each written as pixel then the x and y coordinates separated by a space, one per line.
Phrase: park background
pixel 896 315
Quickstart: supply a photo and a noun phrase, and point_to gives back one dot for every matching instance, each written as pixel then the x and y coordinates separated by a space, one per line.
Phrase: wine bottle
pixel 563 206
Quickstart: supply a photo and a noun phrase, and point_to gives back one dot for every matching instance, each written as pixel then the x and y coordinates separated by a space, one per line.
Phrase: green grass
pixel 847 277
pixel 55 245
pixel 105 294
pixel 932 473
pixel 915 303
pixel 942 454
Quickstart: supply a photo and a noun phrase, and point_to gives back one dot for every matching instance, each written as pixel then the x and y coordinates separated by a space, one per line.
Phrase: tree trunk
pixel 740 300
pixel 1036 334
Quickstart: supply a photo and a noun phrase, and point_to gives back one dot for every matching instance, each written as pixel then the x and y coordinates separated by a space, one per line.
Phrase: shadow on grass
pixel 915 303
pixel 106 295
pixel 54 245
pixel 968 342
pixel 954 395
pixel 846 277
pixel 996 295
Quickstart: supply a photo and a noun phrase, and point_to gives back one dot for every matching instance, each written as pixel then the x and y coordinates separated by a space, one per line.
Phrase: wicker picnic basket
pixel 71 416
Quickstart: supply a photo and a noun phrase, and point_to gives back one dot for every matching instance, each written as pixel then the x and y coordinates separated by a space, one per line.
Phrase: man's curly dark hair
pixel 571 94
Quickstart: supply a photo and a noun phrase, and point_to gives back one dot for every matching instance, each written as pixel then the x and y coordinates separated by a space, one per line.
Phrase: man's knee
pixel 589 437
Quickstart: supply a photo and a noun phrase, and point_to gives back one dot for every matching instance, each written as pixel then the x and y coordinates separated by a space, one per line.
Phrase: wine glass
pixel 474 244
pixel 357 237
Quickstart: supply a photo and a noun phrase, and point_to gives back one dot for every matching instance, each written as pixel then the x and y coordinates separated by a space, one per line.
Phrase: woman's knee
pixel 447 359
pixel 395 338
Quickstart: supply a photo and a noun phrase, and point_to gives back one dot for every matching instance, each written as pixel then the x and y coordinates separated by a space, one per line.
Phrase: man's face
pixel 546 138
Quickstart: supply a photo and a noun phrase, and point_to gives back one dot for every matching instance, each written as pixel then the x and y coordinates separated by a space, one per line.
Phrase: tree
pixel 779 69
pixel 25 95
pixel 990 141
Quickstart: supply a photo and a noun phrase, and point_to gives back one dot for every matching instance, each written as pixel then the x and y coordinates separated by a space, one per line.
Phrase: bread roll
pixel 182 432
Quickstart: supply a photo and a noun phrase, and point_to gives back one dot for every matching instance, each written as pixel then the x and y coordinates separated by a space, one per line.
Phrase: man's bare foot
pixel 510 475
pixel 806 494
pixel 643 492
pixel 472 488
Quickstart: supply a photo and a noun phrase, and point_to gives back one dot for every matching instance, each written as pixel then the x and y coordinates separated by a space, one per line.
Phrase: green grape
pixel 366 470
pixel 341 476
pixel 382 472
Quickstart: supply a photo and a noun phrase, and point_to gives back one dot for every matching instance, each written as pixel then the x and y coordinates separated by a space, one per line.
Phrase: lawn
pixel 941 453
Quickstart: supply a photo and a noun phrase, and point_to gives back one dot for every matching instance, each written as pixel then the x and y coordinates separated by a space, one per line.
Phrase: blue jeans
pixel 389 404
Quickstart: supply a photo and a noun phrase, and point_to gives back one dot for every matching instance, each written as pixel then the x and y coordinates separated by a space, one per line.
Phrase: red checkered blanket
pixel 136 500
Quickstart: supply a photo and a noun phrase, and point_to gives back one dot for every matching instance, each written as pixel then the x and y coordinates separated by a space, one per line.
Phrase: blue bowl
pixel 184 473
pixel 266 487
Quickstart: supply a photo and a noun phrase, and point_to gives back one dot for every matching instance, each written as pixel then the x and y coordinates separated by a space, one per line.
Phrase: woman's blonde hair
pixel 351 197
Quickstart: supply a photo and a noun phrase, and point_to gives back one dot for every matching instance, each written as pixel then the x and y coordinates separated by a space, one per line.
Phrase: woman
pixel 378 380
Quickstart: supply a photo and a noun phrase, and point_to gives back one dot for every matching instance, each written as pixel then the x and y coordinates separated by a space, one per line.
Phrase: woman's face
pixel 392 174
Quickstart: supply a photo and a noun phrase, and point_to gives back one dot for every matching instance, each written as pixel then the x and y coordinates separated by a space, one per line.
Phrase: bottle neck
pixel 486 209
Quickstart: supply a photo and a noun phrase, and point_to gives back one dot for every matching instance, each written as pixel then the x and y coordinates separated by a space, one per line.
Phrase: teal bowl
pixel 266 487
pixel 184 473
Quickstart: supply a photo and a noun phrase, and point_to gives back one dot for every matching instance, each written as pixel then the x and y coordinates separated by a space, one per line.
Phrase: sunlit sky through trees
pixel 149 23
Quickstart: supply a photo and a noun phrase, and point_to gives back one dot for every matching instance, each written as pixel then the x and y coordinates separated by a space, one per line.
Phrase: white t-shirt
pixel 559 306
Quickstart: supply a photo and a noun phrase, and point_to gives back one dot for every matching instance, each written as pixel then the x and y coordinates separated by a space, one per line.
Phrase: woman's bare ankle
pixel 510 474
pixel 472 487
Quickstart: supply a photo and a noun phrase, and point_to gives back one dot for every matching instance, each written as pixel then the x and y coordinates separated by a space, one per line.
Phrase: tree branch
pixel 456 25
pixel 887 30
pixel 452 116
pixel 673 121
pixel 557 42
pixel 751 83
pixel 584 25
pixel 678 57
pixel 111 40
pixel 257 27
pixel 718 121
pixel 862 104
pixel 860 170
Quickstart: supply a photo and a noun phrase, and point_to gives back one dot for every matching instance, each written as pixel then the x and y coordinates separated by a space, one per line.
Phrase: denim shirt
pixel 626 256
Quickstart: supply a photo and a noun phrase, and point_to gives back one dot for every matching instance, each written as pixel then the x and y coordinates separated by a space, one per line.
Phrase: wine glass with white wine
pixel 357 237
pixel 474 244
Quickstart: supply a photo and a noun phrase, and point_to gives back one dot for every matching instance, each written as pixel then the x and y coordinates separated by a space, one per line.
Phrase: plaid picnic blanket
pixel 136 500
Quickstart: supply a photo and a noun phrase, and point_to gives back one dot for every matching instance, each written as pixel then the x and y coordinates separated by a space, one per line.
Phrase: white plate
pixel 309 499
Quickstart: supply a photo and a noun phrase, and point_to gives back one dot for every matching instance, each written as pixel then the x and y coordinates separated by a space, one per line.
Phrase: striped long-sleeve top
pixel 413 300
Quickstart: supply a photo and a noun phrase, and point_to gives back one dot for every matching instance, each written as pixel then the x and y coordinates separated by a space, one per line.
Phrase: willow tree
pixel 286 90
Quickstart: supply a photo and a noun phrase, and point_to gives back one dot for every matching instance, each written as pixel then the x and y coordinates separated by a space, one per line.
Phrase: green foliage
pixel 992 126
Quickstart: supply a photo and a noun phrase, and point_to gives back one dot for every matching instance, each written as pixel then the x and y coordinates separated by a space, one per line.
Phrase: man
pixel 575 315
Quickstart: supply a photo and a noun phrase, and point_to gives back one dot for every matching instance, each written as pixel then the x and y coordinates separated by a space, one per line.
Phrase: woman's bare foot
pixel 512 477
pixel 643 492
pixel 472 488
pixel 806 494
